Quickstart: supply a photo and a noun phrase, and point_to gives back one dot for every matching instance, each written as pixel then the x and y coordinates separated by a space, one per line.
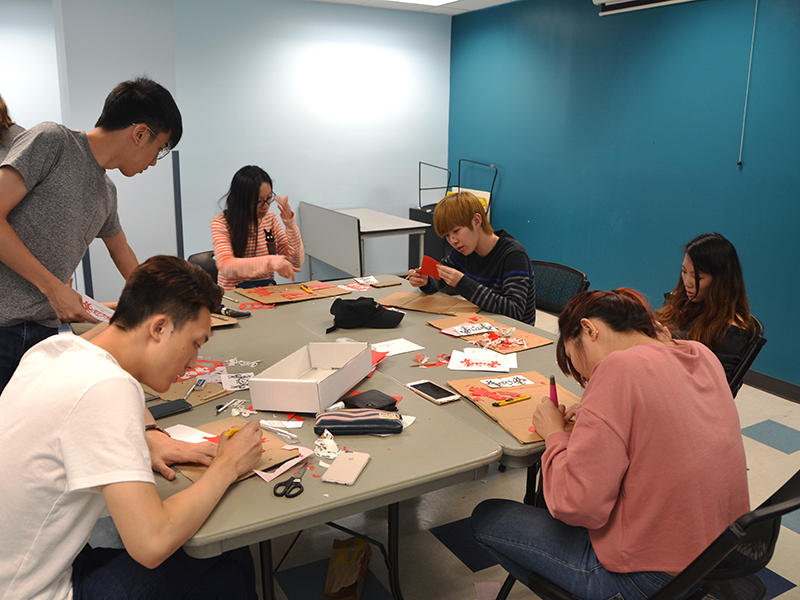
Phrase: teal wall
pixel 617 140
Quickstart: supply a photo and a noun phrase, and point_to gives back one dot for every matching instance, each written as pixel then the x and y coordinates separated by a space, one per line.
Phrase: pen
pixel 553 391
pixel 512 400
pixel 197 385
pixel 219 410
pixel 231 431
pixel 229 298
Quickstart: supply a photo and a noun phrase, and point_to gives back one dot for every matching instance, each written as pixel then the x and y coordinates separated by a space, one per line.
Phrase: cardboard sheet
pixel 222 320
pixel 531 339
pixel 292 292
pixel 273 455
pixel 439 304
pixel 514 418
pixel 178 390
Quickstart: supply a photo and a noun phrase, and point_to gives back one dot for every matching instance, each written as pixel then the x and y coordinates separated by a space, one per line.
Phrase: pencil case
pixel 358 421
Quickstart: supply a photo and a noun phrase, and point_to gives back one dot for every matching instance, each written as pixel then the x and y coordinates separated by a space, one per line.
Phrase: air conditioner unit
pixel 610 7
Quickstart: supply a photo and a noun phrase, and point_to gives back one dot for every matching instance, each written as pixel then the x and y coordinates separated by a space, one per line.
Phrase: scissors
pixel 291 488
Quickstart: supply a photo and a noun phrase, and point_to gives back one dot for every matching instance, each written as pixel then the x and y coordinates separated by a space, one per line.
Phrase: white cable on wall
pixel 747 90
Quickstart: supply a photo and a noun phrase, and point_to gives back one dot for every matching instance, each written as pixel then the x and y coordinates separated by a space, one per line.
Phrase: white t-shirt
pixel 71 421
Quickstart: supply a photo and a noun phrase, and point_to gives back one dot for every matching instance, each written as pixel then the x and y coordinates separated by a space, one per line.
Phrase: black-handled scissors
pixel 292 487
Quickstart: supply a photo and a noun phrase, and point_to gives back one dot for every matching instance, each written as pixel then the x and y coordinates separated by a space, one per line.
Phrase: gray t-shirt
pixel 70 202
pixel 9 134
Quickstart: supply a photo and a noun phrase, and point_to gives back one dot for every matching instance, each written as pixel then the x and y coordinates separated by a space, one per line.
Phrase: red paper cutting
pixel 429 267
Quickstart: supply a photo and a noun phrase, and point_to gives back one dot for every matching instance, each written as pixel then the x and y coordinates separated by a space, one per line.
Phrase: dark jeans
pixel 111 574
pixel 15 341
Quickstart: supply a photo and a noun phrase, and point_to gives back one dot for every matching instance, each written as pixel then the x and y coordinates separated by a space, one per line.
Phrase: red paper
pixel 429 267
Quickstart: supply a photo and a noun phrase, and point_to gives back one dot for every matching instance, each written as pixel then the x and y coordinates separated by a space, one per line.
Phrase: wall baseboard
pixel 778 387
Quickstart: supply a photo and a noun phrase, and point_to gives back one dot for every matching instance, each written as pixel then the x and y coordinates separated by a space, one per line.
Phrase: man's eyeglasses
pixel 267 201
pixel 165 150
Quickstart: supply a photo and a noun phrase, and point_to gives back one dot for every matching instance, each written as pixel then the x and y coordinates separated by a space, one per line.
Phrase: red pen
pixel 553 391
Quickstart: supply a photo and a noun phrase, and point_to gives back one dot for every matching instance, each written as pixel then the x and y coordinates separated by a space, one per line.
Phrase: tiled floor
pixel 430 570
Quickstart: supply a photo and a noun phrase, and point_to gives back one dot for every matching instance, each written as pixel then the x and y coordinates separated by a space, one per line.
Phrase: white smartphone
pixel 433 392
pixel 346 468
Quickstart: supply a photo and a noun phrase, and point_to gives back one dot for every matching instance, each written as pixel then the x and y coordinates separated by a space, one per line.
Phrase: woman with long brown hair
pixel 709 303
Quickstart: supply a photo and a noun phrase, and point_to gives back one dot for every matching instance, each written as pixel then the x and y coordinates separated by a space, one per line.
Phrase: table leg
pixel 267 580
pixel 394 551
pixel 422 248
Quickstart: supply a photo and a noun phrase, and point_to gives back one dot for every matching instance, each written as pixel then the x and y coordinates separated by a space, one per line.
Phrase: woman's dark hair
pixel 241 210
pixel 166 285
pixel 725 300
pixel 5 120
pixel 623 310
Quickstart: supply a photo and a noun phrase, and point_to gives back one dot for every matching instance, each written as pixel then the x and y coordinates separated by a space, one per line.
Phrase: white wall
pixel 28 68
pixel 337 103
pixel 101 43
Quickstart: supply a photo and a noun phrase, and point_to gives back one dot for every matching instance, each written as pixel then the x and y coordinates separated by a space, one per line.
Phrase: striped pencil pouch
pixel 357 421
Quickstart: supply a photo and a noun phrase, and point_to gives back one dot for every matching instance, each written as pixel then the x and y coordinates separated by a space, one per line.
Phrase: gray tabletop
pixel 436 451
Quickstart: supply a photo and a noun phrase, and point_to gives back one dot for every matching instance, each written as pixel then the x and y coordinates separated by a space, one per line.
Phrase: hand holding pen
pixel 240 448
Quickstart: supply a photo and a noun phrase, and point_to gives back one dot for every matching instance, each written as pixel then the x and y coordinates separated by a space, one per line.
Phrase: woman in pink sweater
pixel 652 472
pixel 250 245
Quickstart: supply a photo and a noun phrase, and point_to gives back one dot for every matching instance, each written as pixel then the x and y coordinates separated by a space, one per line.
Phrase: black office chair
pixel 748 356
pixel 205 260
pixel 556 284
pixel 728 566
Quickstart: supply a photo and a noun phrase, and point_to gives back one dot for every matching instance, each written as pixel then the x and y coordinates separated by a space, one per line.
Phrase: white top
pixel 71 421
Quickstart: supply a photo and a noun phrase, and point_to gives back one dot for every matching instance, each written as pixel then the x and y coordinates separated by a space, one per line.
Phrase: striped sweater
pixel 500 282
pixel 257 263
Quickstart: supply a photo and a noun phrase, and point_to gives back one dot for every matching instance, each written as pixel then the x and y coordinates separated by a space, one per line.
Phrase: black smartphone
pixel 172 407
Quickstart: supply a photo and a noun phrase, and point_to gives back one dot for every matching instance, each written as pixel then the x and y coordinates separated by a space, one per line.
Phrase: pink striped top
pixel 257 263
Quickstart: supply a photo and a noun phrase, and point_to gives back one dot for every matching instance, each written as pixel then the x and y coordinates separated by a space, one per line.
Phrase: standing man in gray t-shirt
pixel 55 198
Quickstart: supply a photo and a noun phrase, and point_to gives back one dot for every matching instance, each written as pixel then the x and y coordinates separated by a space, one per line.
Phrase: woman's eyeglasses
pixel 267 201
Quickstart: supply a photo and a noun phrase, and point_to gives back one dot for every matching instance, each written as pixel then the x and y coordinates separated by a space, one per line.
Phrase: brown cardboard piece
pixel 291 292
pixel 531 339
pixel 222 320
pixel 211 391
pixel 273 454
pixel 514 418
pixel 439 304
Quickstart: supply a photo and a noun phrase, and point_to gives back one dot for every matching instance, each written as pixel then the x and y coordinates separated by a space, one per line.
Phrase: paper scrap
pixel 368 280
pixel 469 329
pixel 429 267
pixel 97 310
pixel 184 433
pixel 288 465
pixel 398 346
pixel 464 361
pixel 284 424
pixel 504 382
pixel 236 382
pixel 358 287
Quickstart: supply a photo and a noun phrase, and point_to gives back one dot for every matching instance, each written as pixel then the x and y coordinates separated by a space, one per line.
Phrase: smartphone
pixel 346 468
pixel 433 392
pixel 173 407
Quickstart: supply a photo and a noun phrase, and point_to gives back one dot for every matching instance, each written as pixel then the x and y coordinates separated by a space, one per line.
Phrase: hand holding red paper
pixel 449 275
pixel 430 267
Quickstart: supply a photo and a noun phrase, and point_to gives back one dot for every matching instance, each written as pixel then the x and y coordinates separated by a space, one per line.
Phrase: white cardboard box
pixel 313 378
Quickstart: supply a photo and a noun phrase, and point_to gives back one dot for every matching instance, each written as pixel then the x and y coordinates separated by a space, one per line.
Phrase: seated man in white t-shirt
pixel 72 431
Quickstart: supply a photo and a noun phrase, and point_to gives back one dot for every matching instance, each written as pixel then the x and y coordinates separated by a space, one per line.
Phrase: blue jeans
pixel 526 539
pixel 111 574
pixel 15 341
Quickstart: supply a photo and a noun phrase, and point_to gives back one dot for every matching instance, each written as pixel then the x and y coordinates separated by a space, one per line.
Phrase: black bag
pixel 362 312
pixel 371 399
pixel 358 421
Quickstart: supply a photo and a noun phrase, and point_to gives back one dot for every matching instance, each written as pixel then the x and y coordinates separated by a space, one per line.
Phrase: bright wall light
pixel 348 82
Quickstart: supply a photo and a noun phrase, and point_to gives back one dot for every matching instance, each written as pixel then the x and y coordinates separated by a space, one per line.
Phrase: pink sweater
pixel 257 263
pixel 655 467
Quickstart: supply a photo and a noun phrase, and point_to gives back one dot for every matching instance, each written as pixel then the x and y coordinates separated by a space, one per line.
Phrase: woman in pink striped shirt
pixel 250 244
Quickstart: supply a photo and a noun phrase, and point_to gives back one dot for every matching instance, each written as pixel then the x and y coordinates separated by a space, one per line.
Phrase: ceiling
pixel 453 8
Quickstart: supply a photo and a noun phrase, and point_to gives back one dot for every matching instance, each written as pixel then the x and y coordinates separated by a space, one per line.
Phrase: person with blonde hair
pixel 8 129
pixel 489 268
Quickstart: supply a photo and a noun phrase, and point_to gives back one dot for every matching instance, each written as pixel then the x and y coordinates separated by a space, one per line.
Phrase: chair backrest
pixel 742 549
pixel 205 260
pixel 748 356
pixel 556 284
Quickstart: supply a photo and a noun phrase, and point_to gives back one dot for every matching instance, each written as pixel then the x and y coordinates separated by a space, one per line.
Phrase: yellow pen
pixel 231 431
pixel 512 400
